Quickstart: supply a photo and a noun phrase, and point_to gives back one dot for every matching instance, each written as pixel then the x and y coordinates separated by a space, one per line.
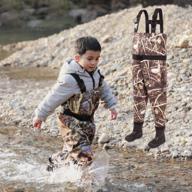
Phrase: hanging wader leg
pixel 149 77
pixel 139 90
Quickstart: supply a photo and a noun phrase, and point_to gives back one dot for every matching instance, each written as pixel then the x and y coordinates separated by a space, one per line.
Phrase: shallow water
pixel 24 156
pixel 23 162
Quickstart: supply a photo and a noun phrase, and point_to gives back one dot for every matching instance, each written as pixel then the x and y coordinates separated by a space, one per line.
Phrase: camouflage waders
pixel 149 74
pixel 77 127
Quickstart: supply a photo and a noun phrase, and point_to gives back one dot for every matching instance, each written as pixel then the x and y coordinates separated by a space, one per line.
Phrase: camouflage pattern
pixel 149 77
pixel 77 135
pixel 149 44
pixel 84 104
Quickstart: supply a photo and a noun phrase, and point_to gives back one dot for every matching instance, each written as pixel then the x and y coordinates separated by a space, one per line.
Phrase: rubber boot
pixel 159 138
pixel 136 133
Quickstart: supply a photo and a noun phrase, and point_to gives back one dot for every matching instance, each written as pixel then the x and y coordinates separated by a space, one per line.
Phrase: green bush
pixel 59 5
pixel 19 4
pixel 11 4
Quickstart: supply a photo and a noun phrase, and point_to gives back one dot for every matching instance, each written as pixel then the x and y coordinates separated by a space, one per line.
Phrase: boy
pixel 79 88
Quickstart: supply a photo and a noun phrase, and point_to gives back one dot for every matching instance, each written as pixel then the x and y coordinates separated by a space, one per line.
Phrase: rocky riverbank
pixel 20 95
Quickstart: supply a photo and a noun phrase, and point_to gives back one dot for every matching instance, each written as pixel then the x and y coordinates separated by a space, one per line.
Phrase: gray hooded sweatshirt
pixel 66 86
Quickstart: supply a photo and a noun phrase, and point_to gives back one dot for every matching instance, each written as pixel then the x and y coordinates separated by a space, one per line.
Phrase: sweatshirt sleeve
pixel 60 93
pixel 107 96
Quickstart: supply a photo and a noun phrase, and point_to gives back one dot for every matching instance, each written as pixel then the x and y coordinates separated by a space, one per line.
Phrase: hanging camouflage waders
pixel 149 76
pixel 77 127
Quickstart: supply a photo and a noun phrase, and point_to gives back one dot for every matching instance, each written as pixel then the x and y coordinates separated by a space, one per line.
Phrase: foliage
pixel 19 4
pixel 11 4
pixel 60 5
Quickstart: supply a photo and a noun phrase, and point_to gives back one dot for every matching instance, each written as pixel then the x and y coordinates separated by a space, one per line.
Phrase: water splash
pixel 96 173
pixel 32 171
pixel 68 173
pixel 99 167
pixel 94 176
pixel 13 168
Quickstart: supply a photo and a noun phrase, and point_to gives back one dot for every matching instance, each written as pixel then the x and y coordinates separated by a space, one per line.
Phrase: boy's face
pixel 88 60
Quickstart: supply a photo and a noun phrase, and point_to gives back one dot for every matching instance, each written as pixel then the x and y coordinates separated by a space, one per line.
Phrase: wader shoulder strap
pixel 157 18
pixel 101 78
pixel 156 21
pixel 80 82
pixel 137 20
pixel 148 22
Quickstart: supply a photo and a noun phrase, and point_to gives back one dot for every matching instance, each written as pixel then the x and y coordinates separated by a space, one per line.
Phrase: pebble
pixel 24 95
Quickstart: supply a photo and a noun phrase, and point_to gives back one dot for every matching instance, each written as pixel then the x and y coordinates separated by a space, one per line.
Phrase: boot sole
pixel 128 140
pixel 157 145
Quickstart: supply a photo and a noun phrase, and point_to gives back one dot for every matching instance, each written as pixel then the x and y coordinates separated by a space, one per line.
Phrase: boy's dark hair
pixel 84 44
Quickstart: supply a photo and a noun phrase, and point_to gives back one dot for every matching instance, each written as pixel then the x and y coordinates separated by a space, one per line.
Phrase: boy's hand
pixel 37 123
pixel 113 113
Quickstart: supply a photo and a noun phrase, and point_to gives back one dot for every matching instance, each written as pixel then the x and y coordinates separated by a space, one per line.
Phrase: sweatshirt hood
pixel 71 66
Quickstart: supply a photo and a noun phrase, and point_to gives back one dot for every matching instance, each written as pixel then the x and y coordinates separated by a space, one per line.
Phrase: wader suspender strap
pixel 82 87
pixel 137 20
pixel 153 24
pixel 155 21
pixel 80 82
pixel 100 79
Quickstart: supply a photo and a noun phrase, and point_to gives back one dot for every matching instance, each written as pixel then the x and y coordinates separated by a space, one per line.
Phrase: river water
pixel 24 154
